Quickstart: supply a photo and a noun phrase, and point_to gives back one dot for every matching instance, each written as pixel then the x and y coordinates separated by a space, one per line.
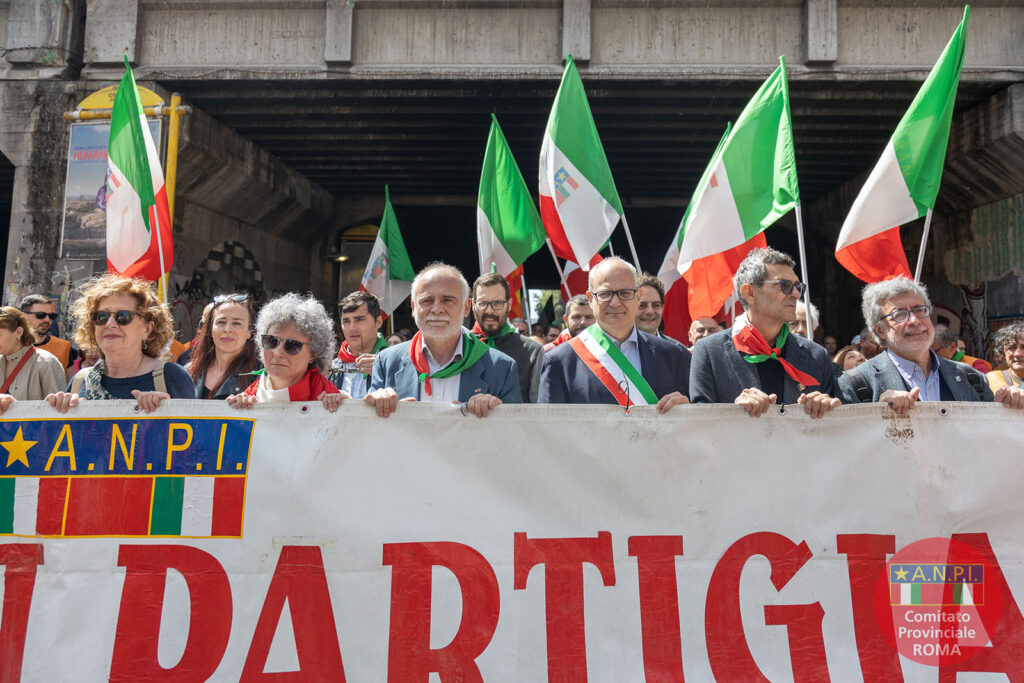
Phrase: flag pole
pixel 803 270
pixel 561 275
pixel 924 242
pixel 160 251
pixel 522 293
pixel 632 248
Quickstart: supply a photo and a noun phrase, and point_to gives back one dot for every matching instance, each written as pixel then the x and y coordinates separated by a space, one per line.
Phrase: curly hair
pixel 1007 335
pixel 11 319
pixel 95 290
pixel 308 316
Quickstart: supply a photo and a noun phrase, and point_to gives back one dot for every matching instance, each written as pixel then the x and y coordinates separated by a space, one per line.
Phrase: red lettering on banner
pixel 20 562
pixel 728 653
pixel 1007 651
pixel 142 601
pixel 563 560
pixel 300 579
pixel 806 640
pixel 659 606
pixel 410 657
pixel 866 556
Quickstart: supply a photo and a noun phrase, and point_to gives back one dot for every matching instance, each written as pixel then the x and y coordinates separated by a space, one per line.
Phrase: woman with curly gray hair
pixel 296 341
pixel 1009 341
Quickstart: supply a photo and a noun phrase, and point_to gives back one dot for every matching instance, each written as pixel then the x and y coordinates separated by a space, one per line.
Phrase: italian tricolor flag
pixel 113 505
pixel 905 181
pixel 139 242
pixel 579 204
pixel 508 227
pixel 389 273
pixel 749 184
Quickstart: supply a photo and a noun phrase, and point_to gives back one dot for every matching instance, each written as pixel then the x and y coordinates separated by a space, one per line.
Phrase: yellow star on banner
pixel 901 574
pixel 17 449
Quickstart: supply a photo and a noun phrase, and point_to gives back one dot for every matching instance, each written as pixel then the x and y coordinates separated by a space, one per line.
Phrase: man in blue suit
pixel 443 363
pixel 612 361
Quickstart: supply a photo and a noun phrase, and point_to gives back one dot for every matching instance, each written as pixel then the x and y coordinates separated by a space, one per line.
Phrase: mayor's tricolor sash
pixel 600 354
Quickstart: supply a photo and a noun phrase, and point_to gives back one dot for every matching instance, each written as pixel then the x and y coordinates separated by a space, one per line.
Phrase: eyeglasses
pixel 787 286
pixel 604 296
pixel 497 304
pixel 237 298
pixel 44 316
pixel 122 318
pixel 291 346
pixel 902 315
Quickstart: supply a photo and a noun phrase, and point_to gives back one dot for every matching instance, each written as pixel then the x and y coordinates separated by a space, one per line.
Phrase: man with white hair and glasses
pixel 759 362
pixel 898 312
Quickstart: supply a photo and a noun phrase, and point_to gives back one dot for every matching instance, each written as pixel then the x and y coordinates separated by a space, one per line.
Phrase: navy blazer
pixel 720 374
pixel 494 374
pixel 564 378
pixel 880 374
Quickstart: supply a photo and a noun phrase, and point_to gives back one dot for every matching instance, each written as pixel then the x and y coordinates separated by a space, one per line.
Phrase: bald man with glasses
pixel 758 362
pixel 613 362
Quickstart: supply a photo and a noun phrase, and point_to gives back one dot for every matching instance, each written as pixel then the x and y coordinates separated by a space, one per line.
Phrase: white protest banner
pixel 559 543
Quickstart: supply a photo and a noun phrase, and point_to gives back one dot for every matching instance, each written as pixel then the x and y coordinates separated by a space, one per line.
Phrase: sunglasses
pixel 237 298
pixel 787 286
pixel 291 346
pixel 44 316
pixel 122 318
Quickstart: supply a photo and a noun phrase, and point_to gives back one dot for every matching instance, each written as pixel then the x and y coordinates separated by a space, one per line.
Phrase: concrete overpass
pixel 306 108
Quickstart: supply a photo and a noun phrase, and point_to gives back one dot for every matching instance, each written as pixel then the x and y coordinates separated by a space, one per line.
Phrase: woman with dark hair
pixel 226 351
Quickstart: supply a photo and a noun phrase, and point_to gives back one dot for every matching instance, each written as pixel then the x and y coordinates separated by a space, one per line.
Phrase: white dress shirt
pixel 443 390
pixel 913 374
pixel 630 348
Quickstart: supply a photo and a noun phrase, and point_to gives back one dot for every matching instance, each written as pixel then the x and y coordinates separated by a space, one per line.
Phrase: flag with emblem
pixel 139 242
pixel 749 184
pixel 579 204
pixel 905 181
pixel 508 226
pixel 389 273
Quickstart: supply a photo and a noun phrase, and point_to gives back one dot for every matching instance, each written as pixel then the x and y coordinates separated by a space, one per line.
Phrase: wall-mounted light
pixel 341 258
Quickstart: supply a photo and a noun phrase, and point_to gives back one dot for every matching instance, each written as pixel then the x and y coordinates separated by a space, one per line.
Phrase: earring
pixel 144 346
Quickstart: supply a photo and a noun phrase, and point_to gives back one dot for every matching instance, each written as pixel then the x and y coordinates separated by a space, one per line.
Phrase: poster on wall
pixel 84 225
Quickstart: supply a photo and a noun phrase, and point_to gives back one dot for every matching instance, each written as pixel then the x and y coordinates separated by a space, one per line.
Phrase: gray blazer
pixel 493 374
pixel 880 374
pixel 719 374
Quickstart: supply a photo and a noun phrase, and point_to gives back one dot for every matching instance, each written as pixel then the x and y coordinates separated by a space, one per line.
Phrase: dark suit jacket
pixel 719 374
pixel 494 374
pixel 881 374
pixel 564 378
pixel 528 355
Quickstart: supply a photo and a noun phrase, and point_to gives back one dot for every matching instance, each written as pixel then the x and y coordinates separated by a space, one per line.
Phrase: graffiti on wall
pixel 974 326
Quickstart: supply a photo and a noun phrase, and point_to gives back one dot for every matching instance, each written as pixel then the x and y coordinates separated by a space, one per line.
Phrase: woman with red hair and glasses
pixel 297 344
pixel 225 355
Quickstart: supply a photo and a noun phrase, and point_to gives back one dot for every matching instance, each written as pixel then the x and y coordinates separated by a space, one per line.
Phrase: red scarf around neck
pixel 308 388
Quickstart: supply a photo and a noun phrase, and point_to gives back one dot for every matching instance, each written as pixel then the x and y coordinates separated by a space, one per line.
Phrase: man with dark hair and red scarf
pixel 444 362
pixel 361 319
pixel 758 362
pixel 491 299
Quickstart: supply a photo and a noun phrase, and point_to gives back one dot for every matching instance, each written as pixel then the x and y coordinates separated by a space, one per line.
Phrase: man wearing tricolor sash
pixel 612 361
pixel 444 362
pixel 758 362
pixel 361 319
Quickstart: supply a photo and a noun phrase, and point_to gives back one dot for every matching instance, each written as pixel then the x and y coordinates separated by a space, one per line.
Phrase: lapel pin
pixel 477 390
pixel 958 378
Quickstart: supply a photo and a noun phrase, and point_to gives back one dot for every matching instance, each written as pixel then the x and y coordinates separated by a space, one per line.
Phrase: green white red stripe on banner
pixel 611 367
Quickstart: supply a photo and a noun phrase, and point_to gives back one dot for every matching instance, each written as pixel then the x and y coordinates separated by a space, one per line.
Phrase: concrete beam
pixel 576 30
pixel 44 35
pixel 223 172
pixel 111 32
pixel 338 26
pixel 822 31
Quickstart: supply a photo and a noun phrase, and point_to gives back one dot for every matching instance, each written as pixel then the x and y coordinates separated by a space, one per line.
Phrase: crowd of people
pixel 611 349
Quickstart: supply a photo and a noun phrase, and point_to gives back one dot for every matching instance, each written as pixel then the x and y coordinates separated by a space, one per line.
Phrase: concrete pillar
pixel 576 30
pixel 111 31
pixel 44 34
pixel 822 19
pixel 33 136
pixel 338 38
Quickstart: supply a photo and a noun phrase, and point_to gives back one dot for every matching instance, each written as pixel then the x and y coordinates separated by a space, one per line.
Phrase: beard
pixel 492 324
pixel 437 328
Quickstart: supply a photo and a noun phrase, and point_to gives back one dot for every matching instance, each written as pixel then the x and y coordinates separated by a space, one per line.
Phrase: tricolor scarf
pixel 747 339
pixel 490 341
pixel 604 358
pixel 472 350
pixel 308 388
pixel 346 356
